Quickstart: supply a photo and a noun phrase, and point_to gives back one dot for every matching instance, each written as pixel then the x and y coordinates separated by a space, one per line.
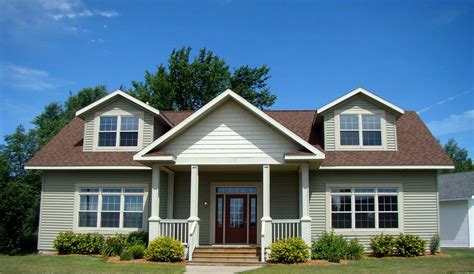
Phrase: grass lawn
pixel 78 264
pixel 454 260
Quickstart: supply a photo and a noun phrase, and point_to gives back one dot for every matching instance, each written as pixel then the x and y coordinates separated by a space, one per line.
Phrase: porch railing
pixel 286 228
pixel 175 228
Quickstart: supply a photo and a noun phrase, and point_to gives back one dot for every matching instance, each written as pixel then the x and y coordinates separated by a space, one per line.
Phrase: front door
pixel 236 219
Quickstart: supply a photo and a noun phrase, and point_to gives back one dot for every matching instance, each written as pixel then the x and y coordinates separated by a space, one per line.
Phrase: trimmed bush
pixel 409 245
pixel 70 243
pixel 382 245
pixel 329 244
pixel 288 251
pixel 65 242
pixel 334 256
pixel 355 250
pixel 165 249
pixel 138 237
pixel 114 246
pixel 434 244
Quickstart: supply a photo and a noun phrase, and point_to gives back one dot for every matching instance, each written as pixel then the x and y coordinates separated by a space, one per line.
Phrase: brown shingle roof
pixel 416 145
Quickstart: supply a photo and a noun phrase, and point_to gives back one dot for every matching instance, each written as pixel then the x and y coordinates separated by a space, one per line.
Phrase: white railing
pixel 193 239
pixel 175 228
pixel 288 228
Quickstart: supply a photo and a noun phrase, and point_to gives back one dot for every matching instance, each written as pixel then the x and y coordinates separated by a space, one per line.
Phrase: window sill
pixel 367 232
pixel 107 230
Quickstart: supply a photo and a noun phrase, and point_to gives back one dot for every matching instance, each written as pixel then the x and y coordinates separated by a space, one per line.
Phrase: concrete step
pixel 225 259
pixel 228 249
pixel 225 255
pixel 224 263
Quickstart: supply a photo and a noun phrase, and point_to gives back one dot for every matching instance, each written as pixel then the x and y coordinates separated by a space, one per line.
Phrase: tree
pixel 188 85
pixel 459 156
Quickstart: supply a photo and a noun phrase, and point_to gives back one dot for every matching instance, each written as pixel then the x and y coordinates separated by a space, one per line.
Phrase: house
pixel 230 173
pixel 456 208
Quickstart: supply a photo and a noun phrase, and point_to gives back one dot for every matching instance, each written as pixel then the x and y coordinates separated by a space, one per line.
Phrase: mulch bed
pixel 116 260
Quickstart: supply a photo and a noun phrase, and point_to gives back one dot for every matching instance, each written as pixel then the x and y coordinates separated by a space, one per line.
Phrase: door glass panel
pixel 220 203
pixel 236 212
pixel 253 211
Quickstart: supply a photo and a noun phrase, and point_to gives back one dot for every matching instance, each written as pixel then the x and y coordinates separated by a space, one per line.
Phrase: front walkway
pixel 218 268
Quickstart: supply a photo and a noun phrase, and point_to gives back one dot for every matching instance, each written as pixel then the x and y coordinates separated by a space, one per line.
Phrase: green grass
pixel 456 260
pixel 78 264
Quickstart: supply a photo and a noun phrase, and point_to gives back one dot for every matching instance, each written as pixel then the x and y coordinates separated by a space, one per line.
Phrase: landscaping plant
pixel 165 249
pixel 290 250
pixel 114 245
pixel 355 250
pixel 409 245
pixel 434 244
pixel 382 245
pixel 329 244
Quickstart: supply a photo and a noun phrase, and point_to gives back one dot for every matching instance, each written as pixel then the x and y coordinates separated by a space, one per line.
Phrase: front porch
pixel 248 205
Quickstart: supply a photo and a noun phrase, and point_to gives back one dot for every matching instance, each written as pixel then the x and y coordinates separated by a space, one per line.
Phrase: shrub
pixel 409 245
pixel 382 245
pixel 90 243
pixel 65 242
pixel 126 255
pixel 136 251
pixel 114 246
pixel 434 244
pixel 138 237
pixel 290 250
pixel 334 256
pixel 355 250
pixel 329 243
pixel 164 249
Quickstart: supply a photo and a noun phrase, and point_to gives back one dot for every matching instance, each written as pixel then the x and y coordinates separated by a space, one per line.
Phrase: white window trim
pixel 117 146
pixel 360 112
pixel 364 231
pixel 109 230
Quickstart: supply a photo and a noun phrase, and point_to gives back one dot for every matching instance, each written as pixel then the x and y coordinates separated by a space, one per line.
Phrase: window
pixel 360 130
pixel 364 208
pixel 110 136
pixel 112 207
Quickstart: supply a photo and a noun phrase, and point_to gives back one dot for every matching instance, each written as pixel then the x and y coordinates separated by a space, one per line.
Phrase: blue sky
pixel 416 54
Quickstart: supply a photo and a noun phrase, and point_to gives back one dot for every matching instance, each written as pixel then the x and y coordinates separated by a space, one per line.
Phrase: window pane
pixel 253 211
pixel 372 138
pixel 132 219
pixel 349 138
pixel 236 216
pixel 365 220
pixel 88 219
pixel 371 121
pixel 110 202
pixel 220 208
pixel 340 190
pixel 349 121
pixel 388 220
pixel 388 190
pixel 236 190
pixel 110 219
pixel 134 190
pixel 129 123
pixel 112 190
pixel 364 203
pixel 341 220
pixel 107 139
pixel 388 203
pixel 364 190
pixel 128 139
pixel 89 190
pixel 133 203
pixel 108 123
pixel 89 202
pixel 341 203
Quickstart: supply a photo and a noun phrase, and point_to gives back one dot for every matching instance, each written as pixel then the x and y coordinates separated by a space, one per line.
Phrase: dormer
pixel 120 122
pixel 360 120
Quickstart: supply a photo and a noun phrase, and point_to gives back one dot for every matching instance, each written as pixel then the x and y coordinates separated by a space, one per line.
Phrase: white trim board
pixel 384 167
pixel 126 96
pixel 228 94
pixel 364 92
pixel 87 168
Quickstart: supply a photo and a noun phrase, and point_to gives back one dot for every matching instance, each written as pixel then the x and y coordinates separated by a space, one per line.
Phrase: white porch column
pixel 193 211
pixel 170 213
pixel 266 219
pixel 154 220
pixel 304 204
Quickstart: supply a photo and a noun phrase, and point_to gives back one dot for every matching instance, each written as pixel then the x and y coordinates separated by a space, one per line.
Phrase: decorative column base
pixel 153 227
pixel 267 238
pixel 306 230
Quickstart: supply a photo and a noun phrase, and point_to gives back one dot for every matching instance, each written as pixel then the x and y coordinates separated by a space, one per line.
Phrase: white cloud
pixel 25 78
pixel 454 123
pixel 107 13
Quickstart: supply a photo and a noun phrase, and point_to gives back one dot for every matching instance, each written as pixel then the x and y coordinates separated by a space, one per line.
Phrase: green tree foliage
pixel 186 84
pixel 459 155
pixel 19 189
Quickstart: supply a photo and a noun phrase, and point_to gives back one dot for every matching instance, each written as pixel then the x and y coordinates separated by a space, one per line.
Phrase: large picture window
pixel 111 207
pixel 364 207
pixel 118 131
pixel 360 130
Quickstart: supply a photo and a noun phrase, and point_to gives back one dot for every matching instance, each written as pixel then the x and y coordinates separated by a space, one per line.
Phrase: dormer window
pixel 118 131
pixel 360 130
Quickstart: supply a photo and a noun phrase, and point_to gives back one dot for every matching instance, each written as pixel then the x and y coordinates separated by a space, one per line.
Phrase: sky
pixel 418 55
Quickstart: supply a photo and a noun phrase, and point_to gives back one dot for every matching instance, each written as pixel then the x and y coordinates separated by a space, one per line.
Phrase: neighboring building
pixel 456 207
pixel 230 173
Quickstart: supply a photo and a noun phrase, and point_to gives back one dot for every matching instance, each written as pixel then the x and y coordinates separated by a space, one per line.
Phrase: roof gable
pixel 357 92
pixel 213 104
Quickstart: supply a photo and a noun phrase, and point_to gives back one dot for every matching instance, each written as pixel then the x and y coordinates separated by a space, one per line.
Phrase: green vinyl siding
pixel 58 190
pixel 419 210
pixel 357 103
